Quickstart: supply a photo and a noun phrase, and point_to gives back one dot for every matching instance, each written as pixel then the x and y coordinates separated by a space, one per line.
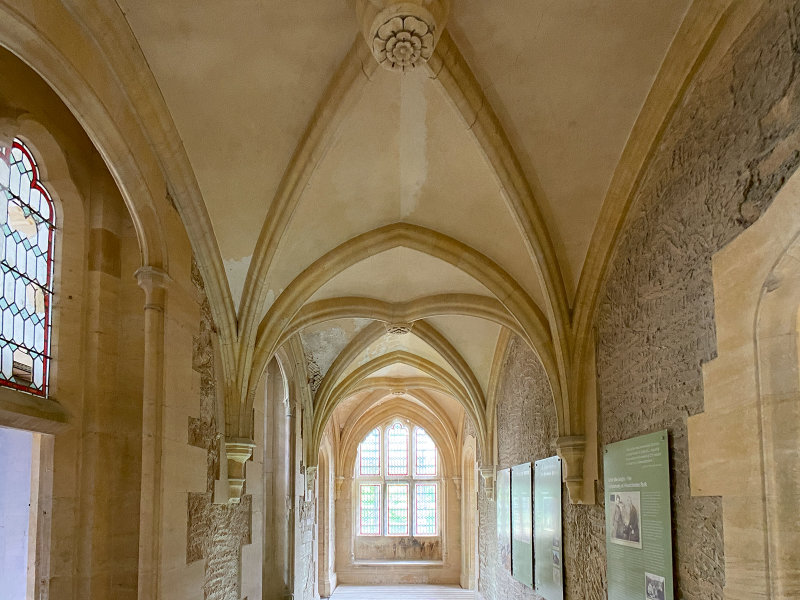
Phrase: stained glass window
pixel 397 450
pixel 397 508
pixel 370 509
pixel 369 452
pixel 425 509
pixel 27 221
pixel 425 453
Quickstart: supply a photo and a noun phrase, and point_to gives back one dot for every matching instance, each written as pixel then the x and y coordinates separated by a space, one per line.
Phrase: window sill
pixel 399 563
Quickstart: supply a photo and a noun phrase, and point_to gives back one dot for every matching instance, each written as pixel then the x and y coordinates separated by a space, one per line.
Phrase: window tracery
pixel 394 499
pixel 27 222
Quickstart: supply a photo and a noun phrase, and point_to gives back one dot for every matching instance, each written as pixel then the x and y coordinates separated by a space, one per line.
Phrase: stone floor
pixel 402 592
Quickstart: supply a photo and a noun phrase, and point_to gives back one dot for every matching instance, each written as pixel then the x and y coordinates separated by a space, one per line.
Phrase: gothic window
pixel 393 499
pixel 27 220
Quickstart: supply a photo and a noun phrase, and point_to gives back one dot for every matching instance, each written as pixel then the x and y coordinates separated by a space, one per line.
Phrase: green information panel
pixel 522 524
pixel 547 544
pixel 638 520
pixel 504 518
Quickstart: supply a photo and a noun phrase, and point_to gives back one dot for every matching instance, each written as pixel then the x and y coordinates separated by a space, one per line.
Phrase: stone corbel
pixel 572 450
pixel 457 485
pixel 238 452
pixel 488 475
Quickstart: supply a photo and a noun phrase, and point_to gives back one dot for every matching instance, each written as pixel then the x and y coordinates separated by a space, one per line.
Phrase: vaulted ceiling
pixel 300 144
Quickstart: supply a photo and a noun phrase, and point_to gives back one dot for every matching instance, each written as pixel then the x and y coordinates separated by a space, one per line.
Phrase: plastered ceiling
pixel 245 81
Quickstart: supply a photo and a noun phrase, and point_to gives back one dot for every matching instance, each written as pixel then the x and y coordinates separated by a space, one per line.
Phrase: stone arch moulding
pixel 28 43
pixel 415 237
pixel 752 394
pixel 139 142
pixel 327 404
pixel 353 436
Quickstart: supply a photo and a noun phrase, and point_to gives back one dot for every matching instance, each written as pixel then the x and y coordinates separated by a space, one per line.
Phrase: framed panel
pixel 638 518
pixel 504 518
pixel 522 524
pixel 547 533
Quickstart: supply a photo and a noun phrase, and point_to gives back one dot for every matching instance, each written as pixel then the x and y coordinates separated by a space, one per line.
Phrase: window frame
pixel 361 509
pixel 435 486
pixel 407 531
pixel 384 480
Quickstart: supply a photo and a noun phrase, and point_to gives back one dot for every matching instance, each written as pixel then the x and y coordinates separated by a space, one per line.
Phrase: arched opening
pixel 72 355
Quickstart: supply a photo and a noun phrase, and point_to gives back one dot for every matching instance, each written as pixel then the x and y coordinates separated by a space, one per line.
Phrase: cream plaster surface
pixel 568 81
pixel 400 275
pixel 256 76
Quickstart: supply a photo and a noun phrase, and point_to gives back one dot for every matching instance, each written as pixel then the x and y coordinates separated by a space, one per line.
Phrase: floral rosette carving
pixel 403 43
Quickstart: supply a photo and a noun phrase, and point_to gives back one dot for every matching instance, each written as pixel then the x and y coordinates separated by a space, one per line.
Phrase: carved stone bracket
pixel 488 475
pixel 238 453
pixel 572 450
pixel 457 485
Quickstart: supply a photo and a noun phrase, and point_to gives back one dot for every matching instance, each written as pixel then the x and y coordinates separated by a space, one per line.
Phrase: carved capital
pixel 488 475
pixel 154 282
pixel 402 34
pixel 572 450
pixel 238 453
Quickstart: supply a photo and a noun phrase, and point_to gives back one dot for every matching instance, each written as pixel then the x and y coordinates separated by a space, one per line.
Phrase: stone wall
pixel 527 431
pixel 216 532
pixel 728 149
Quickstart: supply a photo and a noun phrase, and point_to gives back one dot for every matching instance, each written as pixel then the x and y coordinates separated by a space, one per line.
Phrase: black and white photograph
pixel 626 526
pixel 654 587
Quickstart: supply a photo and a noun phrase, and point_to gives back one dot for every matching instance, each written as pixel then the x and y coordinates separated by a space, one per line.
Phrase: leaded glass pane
pixel 425 509
pixel 397 449
pixel 26 224
pixel 370 510
pixel 425 453
pixel 369 452
pixel 397 508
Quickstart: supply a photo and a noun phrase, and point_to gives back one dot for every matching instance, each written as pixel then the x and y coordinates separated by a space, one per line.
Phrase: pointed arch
pixel 414 237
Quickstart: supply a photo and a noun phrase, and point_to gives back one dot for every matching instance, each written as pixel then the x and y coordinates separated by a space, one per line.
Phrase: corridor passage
pixel 402 592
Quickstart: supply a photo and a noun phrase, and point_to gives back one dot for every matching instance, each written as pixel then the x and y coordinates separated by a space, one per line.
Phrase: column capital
pixel 154 282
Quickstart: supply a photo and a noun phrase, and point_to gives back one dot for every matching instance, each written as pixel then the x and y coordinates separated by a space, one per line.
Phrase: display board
pixel 547 545
pixel 522 524
pixel 638 519
pixel 504 518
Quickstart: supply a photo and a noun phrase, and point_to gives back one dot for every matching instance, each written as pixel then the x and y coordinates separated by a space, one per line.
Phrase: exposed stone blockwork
pixel 308 562
pixel 527 431
pixel 728 149
pixel 216 531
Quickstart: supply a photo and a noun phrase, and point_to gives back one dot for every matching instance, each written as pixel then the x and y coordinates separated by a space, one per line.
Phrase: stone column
pixel 154 283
